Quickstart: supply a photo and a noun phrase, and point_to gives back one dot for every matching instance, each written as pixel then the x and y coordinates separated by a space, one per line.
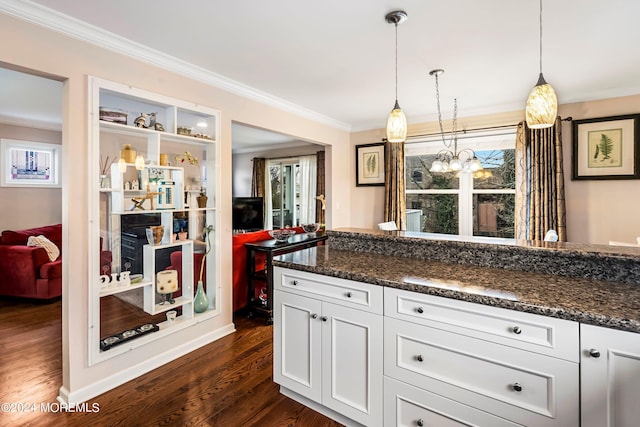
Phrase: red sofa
pixel 26 271
pixel 240 284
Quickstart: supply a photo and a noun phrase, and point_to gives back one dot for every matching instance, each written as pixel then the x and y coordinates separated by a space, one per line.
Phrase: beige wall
pixel 243 166
pixel 597 211
pixel 38 206
pixel 600 211
pixel 72 60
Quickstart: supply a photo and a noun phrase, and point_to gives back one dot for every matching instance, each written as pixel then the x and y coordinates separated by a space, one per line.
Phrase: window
pixel 471 204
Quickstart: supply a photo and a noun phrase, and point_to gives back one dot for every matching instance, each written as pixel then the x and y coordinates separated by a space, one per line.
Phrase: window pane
pixel 493 215
pixel 439 211
pixel 418 176
pixel 499 170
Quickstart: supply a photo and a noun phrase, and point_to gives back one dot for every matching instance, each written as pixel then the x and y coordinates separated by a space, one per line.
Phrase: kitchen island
pixel 542 314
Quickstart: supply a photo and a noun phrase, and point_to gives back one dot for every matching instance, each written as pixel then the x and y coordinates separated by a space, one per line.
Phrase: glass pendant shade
pixel 475 165
pixel 436 166
pixel 455 164
pixel 396 125
pixel 542 105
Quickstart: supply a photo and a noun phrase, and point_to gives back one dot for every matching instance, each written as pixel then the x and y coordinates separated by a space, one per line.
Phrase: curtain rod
pixel 424 135
pixel 283 157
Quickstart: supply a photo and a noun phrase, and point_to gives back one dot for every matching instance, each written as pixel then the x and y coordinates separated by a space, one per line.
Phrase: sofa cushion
pixel 20 237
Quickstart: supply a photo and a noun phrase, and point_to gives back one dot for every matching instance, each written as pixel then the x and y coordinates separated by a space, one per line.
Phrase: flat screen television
pixel 248 213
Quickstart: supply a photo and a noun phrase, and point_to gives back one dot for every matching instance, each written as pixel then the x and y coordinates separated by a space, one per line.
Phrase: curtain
pixel 320 188
pixel 257 178
pixel 540 203
pixel 268 203
pixel 307 189
pixel 394 197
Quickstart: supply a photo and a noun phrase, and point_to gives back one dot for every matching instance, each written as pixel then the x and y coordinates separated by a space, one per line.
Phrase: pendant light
pixel 542 103
pixel 397 121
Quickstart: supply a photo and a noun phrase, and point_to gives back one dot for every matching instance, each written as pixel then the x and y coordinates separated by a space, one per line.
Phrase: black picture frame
pixel 606 148
pixel 370 165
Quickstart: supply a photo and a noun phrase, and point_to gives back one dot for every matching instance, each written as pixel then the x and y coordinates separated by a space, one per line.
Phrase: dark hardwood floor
pixel 227 383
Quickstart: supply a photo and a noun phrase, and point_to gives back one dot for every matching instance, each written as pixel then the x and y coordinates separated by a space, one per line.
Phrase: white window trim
pixel 478 141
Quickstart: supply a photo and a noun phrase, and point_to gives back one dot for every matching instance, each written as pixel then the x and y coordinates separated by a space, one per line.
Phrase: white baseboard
pixel 132 372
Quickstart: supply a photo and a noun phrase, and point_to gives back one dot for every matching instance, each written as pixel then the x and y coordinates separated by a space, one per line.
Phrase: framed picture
pixel 29 164
pixel 607 148
pixel 370 164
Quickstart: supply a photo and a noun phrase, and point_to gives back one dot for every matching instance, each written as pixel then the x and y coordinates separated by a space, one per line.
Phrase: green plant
pixel 606 147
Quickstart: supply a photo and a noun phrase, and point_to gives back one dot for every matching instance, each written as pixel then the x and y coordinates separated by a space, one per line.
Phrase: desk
pixel 273 248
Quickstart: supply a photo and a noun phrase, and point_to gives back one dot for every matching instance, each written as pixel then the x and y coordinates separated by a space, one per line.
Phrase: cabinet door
pixel 352 363
pixel 296 344
pixel 610 374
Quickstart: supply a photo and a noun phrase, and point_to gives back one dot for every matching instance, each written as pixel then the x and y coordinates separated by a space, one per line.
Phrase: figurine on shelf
pixel 166 285
pixel 141 121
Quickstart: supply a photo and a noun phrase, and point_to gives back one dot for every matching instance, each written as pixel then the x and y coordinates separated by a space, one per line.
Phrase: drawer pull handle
pixel 324 318
pixel 517 330
pixel 349 294
pixel 420 310
pixel 420 423
pixel 517 387
pixel 314 316
pixel 594 353
pixel 419 358
pixel 295 283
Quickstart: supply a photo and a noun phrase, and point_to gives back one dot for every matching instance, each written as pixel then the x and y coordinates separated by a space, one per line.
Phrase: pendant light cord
pixel 396 24
pixel 540 36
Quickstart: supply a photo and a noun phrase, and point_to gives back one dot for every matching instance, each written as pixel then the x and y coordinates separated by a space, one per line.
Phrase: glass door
pixel 285 184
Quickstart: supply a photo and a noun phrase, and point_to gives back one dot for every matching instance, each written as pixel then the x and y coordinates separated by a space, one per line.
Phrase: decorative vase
pixel 202 201
pixel 200 301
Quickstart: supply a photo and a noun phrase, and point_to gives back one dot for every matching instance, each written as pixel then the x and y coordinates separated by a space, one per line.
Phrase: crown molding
pixel 30 123
pixel 34 13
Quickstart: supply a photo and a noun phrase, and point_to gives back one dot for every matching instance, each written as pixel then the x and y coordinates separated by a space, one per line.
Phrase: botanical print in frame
pixel 29 164
pixel 606 148
pixel 370 164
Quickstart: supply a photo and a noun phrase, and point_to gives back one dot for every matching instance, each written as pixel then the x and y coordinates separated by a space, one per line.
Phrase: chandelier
pixel 448 160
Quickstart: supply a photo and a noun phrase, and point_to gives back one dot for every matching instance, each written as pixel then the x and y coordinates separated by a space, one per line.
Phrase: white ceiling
pixel 336 57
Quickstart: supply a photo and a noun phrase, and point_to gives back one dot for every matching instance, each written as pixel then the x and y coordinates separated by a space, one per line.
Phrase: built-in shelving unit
pixel 176 161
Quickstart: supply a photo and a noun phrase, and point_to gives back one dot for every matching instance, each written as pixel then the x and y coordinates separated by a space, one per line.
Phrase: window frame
pixel 494 139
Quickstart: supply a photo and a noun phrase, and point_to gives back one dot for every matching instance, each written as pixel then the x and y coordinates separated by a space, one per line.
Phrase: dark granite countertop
pixel 603 303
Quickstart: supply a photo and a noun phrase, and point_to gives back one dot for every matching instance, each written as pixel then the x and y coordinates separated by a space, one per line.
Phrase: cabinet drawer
pixel 518 385
pixel 363 296
pixel 408 406
pixel 540 334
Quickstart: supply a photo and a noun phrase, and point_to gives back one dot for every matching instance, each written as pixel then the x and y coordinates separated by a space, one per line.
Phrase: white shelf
pixel 112 291
pixel 179 302
pixel 120 129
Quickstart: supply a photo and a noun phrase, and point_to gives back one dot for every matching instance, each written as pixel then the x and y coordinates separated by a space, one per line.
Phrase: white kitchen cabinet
pixel 463 352
pixel 610 377
pixel 325 349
